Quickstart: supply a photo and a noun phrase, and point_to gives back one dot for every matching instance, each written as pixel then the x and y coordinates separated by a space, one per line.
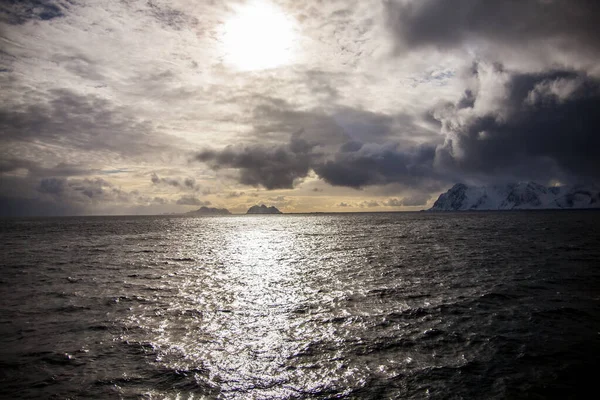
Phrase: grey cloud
pixel 187 183
pixel 29 196
pixel 80 65
pixel 346 147
pixel 233 195
pixel 416 199
pixel 507 124
pixel 450 24
pixel 467 100
pixel 352 166
pixel 55 187
pixel 369 204
pixel 83 122
pixel 30 207
pixel 34 169
pixel 545 126
pixel 274 167
pixel 52 186
pixel 190 183
pixel 393 203
pixel 189 200
pixel 339 126
pixel 84 191
pixel 159 200
pixel 166 181
pixel 21 11
pixel 342 204
pixel 319 83
pixel 373 164
pixel 408 201
pixel 537 123
pixel 13 164
pixel 170 17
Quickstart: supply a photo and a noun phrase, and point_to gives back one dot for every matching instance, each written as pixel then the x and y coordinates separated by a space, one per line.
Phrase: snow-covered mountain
pixel 517 196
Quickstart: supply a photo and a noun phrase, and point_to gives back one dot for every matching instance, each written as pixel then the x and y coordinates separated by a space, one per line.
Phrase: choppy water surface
pixel 414 305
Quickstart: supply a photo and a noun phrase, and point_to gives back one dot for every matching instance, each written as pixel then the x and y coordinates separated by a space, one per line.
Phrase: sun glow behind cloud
pixel 259 36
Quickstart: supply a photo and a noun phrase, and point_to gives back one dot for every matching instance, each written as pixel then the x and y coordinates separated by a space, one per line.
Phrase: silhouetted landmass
pixel 262 209
pixel 209 211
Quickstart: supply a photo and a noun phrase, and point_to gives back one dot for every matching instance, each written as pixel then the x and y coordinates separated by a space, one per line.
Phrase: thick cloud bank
pixel 353 164
pixel 449 24
pixel 529 125
pixel 275 167
pixel 507 126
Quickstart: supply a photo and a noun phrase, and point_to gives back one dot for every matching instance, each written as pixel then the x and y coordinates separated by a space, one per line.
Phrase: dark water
pixel 414 305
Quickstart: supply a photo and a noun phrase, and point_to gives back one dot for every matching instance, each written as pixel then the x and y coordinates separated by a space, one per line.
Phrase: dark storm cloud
pixel 13 164
pixel 373 164
pixel 354 165
pixel 66 122
pixel 545 124
pixel 29 196
pixel 36 170
pixel 83 122
pixel 20 11
pixel 83 190
pixel 274 167
pixel 52 186
pixel 344 147
pixel 27 207
pixel 507 125
pixel 539 122
pixel 448 24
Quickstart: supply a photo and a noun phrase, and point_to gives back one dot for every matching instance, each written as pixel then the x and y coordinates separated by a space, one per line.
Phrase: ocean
pixel 486 305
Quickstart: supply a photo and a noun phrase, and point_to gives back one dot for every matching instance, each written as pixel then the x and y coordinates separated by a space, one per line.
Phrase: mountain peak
pixel 516 196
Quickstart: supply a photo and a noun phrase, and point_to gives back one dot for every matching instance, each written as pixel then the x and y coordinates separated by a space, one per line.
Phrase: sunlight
pixel 259 36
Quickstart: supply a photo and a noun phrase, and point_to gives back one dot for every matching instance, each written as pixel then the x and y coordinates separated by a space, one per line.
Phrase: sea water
pixel 366 306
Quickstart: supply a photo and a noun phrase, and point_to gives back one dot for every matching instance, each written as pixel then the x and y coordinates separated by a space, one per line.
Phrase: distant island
pixel 209 211
pixel 262 209
pixel 517 196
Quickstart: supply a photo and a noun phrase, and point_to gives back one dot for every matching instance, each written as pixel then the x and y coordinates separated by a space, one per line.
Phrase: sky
pixel 146 107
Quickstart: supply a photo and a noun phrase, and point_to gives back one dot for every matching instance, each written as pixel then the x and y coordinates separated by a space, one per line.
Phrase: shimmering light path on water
pixel 484 305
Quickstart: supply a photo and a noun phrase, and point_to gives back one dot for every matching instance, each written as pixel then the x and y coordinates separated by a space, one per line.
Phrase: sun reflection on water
pixel 264 281
pixel 249 305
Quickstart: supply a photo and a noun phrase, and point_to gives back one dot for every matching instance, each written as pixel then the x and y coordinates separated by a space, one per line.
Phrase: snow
pixel 517 196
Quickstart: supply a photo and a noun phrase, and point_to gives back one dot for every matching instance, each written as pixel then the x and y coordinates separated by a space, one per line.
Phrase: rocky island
pixel 262 209
pixel 209 211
